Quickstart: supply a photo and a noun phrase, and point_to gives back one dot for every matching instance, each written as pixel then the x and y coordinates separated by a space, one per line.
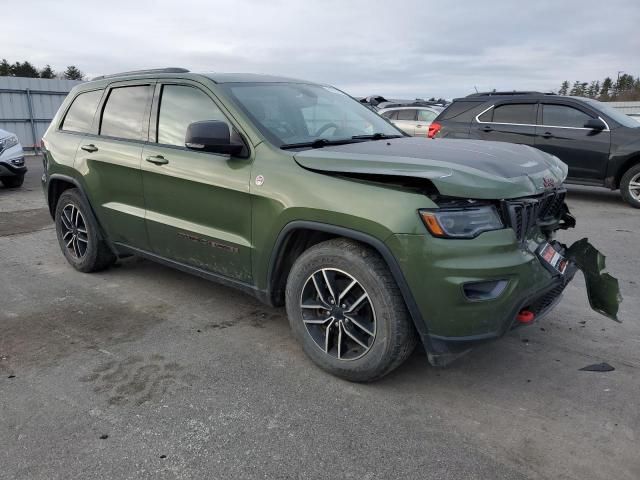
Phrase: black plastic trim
pixel 278 253
pixel 206 274
pixel 13 169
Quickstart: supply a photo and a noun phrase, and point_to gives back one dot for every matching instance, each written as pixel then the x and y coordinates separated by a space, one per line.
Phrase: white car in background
pixel 414 120
pixel 12 167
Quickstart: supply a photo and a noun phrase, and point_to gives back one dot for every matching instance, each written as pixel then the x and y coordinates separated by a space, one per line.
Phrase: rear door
pixel 513 122
pixel 198 203
pixel 109 160
pixel 406 120
pixel 561 132
pixel 425 117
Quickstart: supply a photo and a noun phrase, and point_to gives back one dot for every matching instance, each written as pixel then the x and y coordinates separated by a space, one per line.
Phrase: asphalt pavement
pixel 146 372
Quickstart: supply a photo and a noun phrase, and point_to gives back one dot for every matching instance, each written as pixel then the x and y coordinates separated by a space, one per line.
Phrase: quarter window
pixel 426 115
pixel 523 113
pixel 79 118
pixel 181 105
pixel 124 113
pixel 406 114
pixel 563 116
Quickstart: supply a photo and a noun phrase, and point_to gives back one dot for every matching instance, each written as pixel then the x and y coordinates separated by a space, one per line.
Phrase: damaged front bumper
pixel 439 272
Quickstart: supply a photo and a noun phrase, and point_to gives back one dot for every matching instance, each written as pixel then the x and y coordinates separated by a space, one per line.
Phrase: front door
pixel 198 204
pixel 562 133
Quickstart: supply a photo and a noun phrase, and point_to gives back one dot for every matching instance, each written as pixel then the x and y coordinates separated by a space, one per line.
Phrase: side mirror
pixel 595 124
pixel 211 136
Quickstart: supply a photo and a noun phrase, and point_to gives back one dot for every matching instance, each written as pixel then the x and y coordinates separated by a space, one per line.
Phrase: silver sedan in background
pixel 414 120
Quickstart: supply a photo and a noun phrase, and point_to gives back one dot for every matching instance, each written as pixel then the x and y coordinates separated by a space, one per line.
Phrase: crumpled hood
pixel 458 168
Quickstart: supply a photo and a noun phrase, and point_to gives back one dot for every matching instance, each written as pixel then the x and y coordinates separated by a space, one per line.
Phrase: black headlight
pixel 466 222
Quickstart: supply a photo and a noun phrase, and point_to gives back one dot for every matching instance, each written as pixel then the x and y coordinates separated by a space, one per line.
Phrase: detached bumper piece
pixel 603 290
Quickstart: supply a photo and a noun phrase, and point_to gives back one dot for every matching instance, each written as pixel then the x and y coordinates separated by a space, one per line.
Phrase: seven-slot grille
pixel 525 213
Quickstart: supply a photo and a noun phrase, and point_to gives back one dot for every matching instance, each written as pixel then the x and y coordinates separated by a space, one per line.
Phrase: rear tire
pixel 78 234
pixel 12 182
pixel 630 186
pixel 376 336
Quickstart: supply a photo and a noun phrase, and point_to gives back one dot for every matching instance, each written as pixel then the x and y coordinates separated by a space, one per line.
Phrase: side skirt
pixel 207 275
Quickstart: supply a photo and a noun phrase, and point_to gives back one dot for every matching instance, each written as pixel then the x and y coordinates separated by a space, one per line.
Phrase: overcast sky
pixel 394 48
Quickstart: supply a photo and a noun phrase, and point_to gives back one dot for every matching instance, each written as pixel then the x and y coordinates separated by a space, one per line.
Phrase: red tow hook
pixel 525 317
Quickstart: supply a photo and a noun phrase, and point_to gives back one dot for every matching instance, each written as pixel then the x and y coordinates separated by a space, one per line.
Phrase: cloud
pixel 404 48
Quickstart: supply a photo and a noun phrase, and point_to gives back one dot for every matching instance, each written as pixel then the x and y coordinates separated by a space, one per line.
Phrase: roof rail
pixel 143 72
pixel 513 92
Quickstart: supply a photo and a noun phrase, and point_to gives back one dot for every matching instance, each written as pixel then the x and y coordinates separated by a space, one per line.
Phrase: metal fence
pixel 27 106
pixel 626 107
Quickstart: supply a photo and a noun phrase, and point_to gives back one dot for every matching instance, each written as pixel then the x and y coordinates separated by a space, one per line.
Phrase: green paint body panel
pixel 206 210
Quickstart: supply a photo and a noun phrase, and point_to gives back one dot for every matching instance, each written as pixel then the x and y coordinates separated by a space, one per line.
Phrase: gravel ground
pixel 145 372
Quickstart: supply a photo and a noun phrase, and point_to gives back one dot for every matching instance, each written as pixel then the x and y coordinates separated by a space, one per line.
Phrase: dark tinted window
pixel 406 114
pixel 563 116
pixel 392 114
pixel 80 116
pixel 515 113
pixel 458 108
pixel 181 105
pixel 124 114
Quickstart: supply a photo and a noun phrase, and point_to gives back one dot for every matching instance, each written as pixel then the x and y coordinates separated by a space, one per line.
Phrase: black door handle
pixel 547 135
pixel 89 148
pixel 487 128
pixel 158 160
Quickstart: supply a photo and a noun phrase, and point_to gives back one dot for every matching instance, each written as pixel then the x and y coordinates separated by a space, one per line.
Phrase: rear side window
pixel 124 113
pixel 181 105
pixel 80 115
pixel 391 115
pixel 426 115
pixel 406 114
pixel 512 113
pixel 457 108
pixel 563 116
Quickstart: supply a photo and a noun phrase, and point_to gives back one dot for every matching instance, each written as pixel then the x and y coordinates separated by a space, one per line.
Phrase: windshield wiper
pixel 319 143
pixel 375 136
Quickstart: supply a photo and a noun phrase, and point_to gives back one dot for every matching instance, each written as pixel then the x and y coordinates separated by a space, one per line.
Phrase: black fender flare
pixel 375 243
pixel 78 185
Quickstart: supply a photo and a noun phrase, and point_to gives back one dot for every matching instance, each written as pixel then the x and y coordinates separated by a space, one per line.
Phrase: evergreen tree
pixel 575 88
pixel 607 85
pixel 564 88
pixel 24 70
pixel 47 72
pixel 72 73
pixel 5 68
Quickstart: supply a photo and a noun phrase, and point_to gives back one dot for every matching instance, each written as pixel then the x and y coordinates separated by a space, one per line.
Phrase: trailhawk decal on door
pixel 210 243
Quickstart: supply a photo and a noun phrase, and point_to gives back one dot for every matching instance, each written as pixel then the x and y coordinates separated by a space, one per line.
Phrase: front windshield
pixel 293 113
pixel 614 114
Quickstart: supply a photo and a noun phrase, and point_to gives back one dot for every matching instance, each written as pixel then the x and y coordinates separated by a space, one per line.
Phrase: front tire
pixel 630 186
pixel 12 182
pixel 347 312
pixel 78 234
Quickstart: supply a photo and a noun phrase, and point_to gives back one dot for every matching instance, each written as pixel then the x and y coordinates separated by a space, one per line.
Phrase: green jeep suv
pixel 299 195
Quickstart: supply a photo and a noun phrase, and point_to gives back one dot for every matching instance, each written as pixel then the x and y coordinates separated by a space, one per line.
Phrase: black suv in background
pixel 600 145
